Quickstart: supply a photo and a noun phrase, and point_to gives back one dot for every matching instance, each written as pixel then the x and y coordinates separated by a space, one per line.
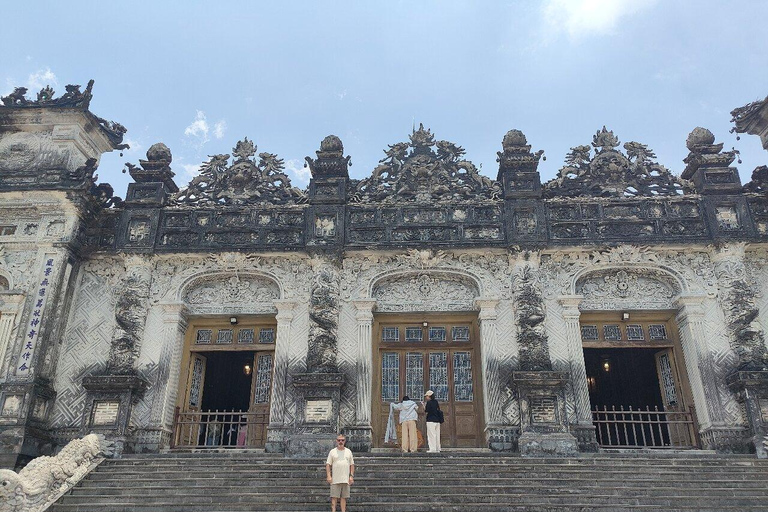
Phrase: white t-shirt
pixel 340 461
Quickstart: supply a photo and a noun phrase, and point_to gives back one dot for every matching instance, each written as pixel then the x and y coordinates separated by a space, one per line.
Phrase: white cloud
pixel 198 129
pixel 219 128
pixel 297 172
pixel 190 171
pixel 40 78
pixel 588 17
pixel 135 145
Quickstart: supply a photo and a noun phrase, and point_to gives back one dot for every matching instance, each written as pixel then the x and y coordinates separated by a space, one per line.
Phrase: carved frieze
pixel 531 336
pixel 243 182
pixel 415 172
pixel 237 293
pixel 610 173
pixel 625 289
pixel 425 291
pixel 130 316
pixel 738 297
pixel 324 318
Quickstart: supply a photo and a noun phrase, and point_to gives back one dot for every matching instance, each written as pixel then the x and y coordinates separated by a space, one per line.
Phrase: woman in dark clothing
pixel 434 417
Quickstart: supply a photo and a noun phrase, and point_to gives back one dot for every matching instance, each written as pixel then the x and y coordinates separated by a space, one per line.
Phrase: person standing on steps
pixel 408 415
pixel 434 419
pixel 340 472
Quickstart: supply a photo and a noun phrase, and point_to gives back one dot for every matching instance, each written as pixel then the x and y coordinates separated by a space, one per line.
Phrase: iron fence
pixel 219 429
pixel 645 428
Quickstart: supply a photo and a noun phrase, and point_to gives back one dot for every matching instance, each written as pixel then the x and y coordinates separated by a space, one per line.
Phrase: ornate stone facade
pixel 424 234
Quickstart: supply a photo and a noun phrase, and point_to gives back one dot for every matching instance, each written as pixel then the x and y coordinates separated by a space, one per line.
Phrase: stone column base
pixel 309 446
pixel 108 404
pixel 726 439
pixel 541 395
pixel 538 444
pixel 276 436
pixel 502 439
pixel 585 437
pixel 751 388
pixel 359 439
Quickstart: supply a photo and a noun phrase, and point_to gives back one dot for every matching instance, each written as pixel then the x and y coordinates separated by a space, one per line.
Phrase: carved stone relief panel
pixel 232 294
pixel 625 289
pixel 425 291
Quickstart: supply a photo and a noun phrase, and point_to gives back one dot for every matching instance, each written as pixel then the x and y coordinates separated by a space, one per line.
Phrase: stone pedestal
pixel 317 415
pixel 543 427
pixel 108 406
pixel 751 388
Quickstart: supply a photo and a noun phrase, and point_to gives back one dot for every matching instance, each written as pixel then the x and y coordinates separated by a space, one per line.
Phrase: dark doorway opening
pixel 627 406
pixel 227 381
pixel 623 377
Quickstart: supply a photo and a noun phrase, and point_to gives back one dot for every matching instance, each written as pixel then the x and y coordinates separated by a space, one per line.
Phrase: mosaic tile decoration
pixel 245 336
pixel 266 335
pixel 460 333
pixel 390 334
pixel 657 331
pixel 589 333
pixel 635 332
pixel 414 334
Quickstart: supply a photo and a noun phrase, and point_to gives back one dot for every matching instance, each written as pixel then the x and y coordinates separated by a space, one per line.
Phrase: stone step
pixel 423 483
pixel 390 490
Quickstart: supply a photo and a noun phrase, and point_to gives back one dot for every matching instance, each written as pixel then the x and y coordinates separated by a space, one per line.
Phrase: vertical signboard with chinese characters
pixel 43 291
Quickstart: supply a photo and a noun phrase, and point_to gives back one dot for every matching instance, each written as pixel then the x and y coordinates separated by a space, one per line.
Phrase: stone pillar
pixel 360 438
pixel 490 360
pixel 582 427
pixel 171 334
pixel 699 364
pixel 9 309
pixel 751 389
pixel 276 427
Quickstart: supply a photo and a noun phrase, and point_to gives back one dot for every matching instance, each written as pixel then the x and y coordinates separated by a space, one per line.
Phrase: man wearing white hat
pixel 434 419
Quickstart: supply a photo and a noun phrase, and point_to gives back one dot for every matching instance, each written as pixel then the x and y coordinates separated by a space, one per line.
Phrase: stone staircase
pixel 452 481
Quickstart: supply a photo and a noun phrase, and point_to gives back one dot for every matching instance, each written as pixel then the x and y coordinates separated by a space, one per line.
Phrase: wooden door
pixel 672 397
pixel 190 427
pixel 261 391
pixel 441 356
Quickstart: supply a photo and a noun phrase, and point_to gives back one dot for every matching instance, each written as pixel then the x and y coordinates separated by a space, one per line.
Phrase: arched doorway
pixel 425 335
pixel 228 361
pixel 639 391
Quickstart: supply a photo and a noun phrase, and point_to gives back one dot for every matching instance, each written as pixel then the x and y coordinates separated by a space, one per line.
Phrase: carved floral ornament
pixel 244 291
pixel 245 181
pixel 611 173
pixel 488 271
pixel 415 172
pixel 683 271
pixel 425 291
pixel 626 288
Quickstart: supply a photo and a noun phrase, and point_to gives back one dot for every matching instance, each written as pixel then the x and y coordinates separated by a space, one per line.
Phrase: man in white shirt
pixel 340 472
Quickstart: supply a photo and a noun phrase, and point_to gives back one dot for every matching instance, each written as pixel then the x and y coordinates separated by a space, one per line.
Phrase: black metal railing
pixel 644 428
pixel 219 429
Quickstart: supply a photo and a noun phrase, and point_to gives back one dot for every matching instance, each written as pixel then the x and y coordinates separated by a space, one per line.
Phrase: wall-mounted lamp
pixel 606 365
pixel 625 316
pixel 247 369
pixel 425 324
pixel 233 320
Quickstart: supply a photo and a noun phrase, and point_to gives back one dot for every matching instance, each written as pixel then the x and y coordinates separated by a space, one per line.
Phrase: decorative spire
pixel 330 161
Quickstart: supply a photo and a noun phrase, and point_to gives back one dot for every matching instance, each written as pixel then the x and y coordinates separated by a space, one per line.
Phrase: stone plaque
pixel 11 405
pixel 543 409
pixel 319 411
pixel 105 413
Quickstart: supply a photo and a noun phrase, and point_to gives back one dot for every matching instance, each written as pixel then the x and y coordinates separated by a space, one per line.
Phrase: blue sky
pixel 200 76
